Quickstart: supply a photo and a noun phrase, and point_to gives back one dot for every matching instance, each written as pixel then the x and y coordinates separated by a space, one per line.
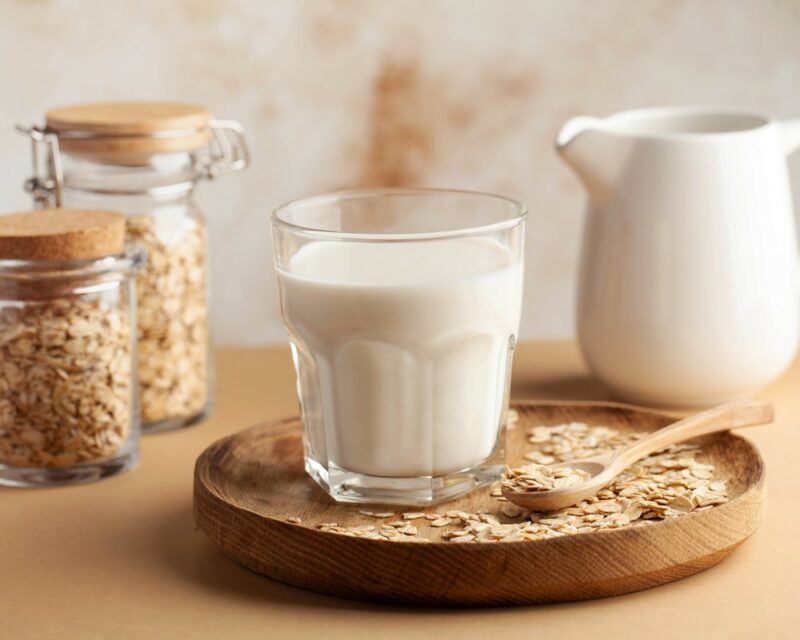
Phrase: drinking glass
pixel 402 308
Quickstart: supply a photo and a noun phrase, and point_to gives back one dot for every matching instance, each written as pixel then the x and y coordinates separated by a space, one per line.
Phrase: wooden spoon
pixel 604 468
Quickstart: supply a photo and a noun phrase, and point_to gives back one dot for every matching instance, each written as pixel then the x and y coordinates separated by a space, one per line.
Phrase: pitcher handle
pixel 791 134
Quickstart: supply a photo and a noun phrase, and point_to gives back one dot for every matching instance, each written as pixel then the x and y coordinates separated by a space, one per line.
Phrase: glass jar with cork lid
pixel 144 160
pixel 68 394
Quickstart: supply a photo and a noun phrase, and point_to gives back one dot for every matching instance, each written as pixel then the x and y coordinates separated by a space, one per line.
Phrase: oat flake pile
pixel 665 485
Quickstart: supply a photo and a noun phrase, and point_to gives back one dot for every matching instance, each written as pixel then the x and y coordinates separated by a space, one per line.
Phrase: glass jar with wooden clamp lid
pixel 144 160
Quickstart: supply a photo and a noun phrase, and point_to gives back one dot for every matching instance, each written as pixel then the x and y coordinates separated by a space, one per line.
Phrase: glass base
pixel 56 476
pixel 352 487
pixel 176 422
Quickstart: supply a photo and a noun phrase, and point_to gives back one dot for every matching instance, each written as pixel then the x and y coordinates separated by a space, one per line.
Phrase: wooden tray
pixel 246 486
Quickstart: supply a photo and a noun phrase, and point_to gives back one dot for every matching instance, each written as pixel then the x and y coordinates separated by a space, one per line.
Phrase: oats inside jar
pixel 173 337
pixel 65 382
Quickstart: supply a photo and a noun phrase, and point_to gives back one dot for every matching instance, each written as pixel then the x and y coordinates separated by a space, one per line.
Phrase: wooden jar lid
pixel 129 132
pixel 61 234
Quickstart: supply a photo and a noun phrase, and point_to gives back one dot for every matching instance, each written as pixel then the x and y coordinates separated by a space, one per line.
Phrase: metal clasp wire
pixel 48 177
pixel 228 150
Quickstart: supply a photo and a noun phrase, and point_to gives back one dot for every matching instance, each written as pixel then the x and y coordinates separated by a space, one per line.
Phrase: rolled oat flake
pixel 67 390
pixel 144 160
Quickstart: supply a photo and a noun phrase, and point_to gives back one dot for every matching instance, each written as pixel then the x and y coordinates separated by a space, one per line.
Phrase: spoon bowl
pixel 555 499
pixel 604 468
pixel 593 466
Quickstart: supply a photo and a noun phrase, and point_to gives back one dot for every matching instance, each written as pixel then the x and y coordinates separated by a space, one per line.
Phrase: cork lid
pixel 129 132
pixel 61 234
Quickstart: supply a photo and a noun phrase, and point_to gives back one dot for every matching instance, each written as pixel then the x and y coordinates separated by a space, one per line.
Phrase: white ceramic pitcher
pixel 690 279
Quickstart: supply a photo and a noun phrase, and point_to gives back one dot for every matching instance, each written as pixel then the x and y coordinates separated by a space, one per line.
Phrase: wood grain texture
pixel 123 132
pixel 127 118
pixel 246 485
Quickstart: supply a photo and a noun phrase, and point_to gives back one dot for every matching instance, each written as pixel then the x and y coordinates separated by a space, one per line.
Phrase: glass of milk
pixel 402 307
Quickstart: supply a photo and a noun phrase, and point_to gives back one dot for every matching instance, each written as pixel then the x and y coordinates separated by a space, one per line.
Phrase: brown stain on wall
pixel 331 31
pixel 400 140
pixel 419 120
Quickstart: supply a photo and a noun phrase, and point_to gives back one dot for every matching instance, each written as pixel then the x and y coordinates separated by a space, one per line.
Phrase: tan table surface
pixel 121 558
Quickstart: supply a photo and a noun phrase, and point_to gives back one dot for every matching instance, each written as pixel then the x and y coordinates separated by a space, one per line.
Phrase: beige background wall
pixel 335 94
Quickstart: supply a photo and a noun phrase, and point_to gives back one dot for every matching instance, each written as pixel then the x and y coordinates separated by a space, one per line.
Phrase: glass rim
pixel 126 263
pixel 518 215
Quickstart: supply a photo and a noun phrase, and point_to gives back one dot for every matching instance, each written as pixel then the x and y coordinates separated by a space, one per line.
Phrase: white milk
pixel 402 351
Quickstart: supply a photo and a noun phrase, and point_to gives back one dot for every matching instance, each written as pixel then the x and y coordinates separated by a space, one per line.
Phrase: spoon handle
pixel 739 413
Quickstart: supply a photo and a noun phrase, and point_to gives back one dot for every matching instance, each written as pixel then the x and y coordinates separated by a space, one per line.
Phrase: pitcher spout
pixel 592 152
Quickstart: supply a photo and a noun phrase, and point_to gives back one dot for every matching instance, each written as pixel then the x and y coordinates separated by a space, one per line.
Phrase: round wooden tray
pixel 248 484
